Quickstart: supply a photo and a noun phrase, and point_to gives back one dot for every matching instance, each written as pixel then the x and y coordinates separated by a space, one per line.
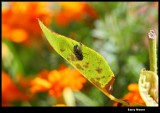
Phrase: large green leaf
pixel 148 87
pixel 93 66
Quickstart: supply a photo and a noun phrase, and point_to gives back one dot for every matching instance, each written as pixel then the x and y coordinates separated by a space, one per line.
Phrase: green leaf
pixel 148 87
pixel 93 66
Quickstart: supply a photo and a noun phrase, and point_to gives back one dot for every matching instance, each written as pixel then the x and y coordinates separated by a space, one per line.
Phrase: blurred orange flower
pixel 19 21
pixel 60 105
pixel 133 97
pixel 74 11
pixel 56 81
pixel 10 92
pixel 40 83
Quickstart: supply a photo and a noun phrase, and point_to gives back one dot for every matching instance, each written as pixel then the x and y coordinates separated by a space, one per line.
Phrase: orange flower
pixel 19 21
pixel 133 97
pixel 60 105
pixel 10 92
pixel 74 11
pixel 56 81
pixel 40 83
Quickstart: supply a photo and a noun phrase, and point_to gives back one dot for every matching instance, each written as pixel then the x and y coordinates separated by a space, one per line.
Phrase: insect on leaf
pixel 87 61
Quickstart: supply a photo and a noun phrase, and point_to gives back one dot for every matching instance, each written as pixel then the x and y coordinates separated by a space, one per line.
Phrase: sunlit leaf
pixel 92 65
pixel 148 87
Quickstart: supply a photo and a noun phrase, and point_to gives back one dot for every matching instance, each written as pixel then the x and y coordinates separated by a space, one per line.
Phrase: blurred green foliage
pixel 121 39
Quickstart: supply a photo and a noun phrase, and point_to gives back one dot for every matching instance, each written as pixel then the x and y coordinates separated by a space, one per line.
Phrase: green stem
pixel 152 51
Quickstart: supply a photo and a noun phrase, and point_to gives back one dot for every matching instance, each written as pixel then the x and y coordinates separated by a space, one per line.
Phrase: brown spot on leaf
pixel 73 58
pixel 95 82
pixel 108 87
pixel 102 77
pixel 62 50
pixel 68 58
pixel 99 70
pixel 86 65
pixel 98 78
pixel 79 66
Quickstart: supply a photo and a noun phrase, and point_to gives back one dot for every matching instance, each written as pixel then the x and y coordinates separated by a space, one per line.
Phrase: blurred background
pixel 33 74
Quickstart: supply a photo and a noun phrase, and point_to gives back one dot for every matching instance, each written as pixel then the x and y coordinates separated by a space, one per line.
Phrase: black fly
pixel 78 51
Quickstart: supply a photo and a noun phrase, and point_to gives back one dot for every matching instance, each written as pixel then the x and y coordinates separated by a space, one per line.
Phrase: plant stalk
pixel 152 51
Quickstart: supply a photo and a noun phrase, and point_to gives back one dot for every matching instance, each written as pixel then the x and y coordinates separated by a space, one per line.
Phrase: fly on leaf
pixel 78 51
